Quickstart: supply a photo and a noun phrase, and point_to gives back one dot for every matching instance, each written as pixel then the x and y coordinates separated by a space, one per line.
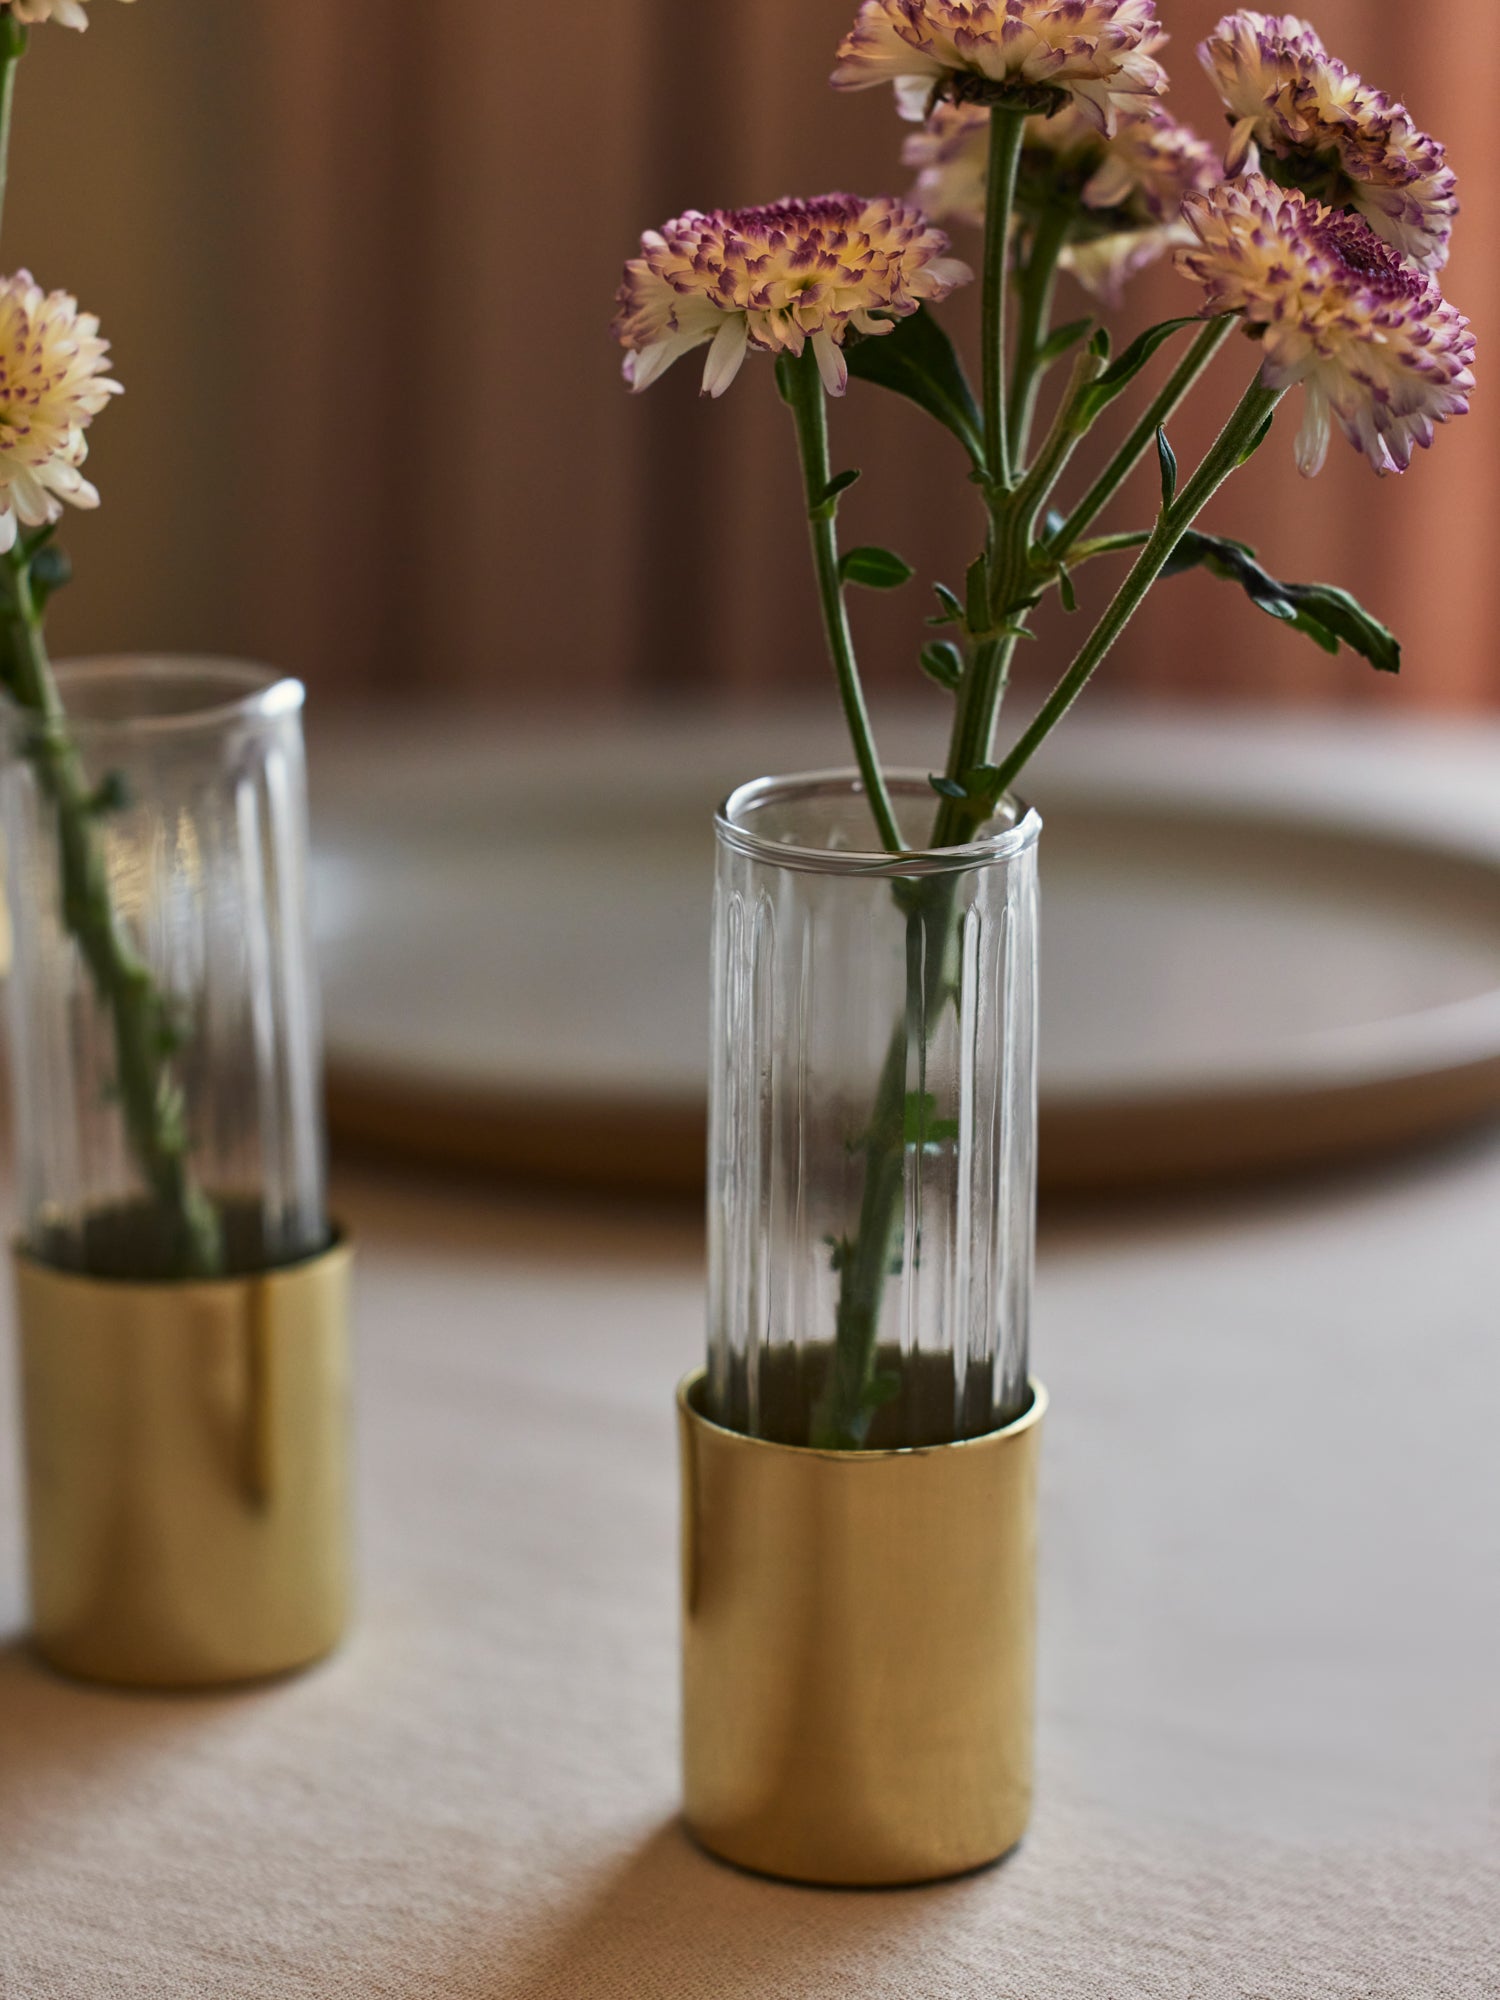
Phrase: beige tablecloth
pixel 1271 1632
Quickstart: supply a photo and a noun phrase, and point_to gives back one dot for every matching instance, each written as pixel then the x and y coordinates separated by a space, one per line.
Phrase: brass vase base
pixel 858 1647
pixel 186 1471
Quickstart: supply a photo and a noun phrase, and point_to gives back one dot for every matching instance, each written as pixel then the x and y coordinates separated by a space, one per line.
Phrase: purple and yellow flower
pixel 52 386
pixel 1309 122
pixel 1126 190
pixel 1099 53
pixel 776 278
pixel 66 13
pixel 1371 338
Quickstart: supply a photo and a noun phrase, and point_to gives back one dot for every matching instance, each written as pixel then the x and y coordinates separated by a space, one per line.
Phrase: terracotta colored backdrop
pixel 357 262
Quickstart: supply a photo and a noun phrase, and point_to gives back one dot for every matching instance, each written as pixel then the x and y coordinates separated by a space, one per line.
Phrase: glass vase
pixel 872 1140
pixel 166 1061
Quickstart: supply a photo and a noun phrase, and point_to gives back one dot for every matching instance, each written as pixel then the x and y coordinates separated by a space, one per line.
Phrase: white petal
pixel 726 353
pixel 1111 184
pixel 1243 156
pixel 641 369
pixel 947 272
pixel 9 529
pixel 912 93
pixel 831 364
pixel 1312 438
pixel 1095 103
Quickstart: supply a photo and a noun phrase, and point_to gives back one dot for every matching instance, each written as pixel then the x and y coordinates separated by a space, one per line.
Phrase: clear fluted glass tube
pixel 198 840
pixel 872 1147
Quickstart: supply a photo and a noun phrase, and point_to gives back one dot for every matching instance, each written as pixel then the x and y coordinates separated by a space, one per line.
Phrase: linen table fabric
pixel 1267 1757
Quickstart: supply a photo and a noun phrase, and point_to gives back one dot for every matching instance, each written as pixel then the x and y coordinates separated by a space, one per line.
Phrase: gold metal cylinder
pixel 186 1471
pixel 858 1646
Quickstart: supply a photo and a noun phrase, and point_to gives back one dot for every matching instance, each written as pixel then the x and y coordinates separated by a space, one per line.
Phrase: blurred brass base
pixel 858 1645
pixel 186 1471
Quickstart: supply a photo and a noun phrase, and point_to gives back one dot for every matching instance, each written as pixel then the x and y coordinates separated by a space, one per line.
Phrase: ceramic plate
pixel 1240 971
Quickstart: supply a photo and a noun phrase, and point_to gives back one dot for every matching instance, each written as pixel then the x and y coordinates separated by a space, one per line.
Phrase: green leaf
pixel 1057 344
pixel 111 795
pixel 1120 374
pixel 943 663
pixel 1258 440
pixel 828 498
pixel 922 1126
pixel 1099 345
pixel 982 785
pixel 1168 460
pixel 51 570
pixel 1326 614
pixel 917 360
pixel 874 569
pixel 953 611
pixel 947 788
pixel 1065 590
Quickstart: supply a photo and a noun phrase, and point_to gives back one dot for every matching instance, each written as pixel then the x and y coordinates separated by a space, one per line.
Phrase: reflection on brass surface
pixel 186 1471
pixel 858 1643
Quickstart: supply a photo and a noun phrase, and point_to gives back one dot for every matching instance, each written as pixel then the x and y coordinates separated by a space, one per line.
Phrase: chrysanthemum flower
pixel 1128 189
pixel 1096 52
pixel 775 278
pixel 1370 337
pixel 1309 122
pixel 66 13
pixel 52 386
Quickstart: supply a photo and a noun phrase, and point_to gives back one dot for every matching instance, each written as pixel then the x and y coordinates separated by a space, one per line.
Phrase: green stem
pixel 848 1400
pixel 1011 592
pixel 984 686
pixel 1007 431
pixel 1204 347
pixel 13 39
pixel 150 1099
pixel 841 1417
pixel 985 681
pixel 1228 451
pixel 1007 128
pixel 1037 281
pixel 988 670
pixel 849 1397
pixel 803 390
pixel 1058 446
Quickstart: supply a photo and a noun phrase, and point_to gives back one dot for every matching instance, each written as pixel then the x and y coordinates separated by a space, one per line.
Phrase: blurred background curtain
pixel 357 261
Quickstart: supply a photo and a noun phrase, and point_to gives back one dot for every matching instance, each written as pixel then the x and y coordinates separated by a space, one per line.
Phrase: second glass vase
pixel 169 1107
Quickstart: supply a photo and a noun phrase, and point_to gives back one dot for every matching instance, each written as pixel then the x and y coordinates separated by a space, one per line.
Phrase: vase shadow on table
pixel 672 1920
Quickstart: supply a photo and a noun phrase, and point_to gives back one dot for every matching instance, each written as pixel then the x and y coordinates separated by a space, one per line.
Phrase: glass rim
pixel 235 690
pixel 1004 844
